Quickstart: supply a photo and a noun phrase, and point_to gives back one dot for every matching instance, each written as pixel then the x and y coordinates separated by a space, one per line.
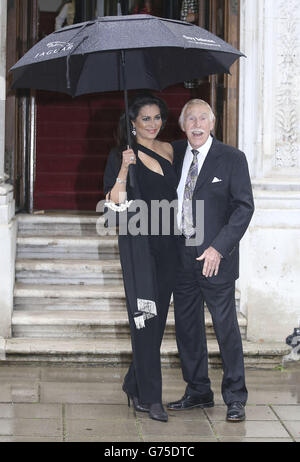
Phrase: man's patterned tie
pixel 187 209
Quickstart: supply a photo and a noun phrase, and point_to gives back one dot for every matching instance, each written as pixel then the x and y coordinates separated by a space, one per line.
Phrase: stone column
pixel 100 8
pixel 3 15
pixel 7 207
pixel 269 134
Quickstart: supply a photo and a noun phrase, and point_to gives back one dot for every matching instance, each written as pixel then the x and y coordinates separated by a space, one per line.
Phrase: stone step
pixel 118 353
pixel 86 324
pixel 47 297
pixel 91 324
pixel 48 271
pixel 64 247
pixel 43 297
pixel 60 224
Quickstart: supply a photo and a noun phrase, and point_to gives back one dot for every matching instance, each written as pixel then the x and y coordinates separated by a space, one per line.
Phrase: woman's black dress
pixel 143 379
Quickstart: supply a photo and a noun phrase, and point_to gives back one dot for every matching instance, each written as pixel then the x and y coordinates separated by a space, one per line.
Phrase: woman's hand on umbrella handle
pixel 128 158
pixel 118 193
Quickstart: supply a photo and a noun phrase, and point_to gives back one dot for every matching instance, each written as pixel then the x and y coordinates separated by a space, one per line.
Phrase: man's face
pixel 197 124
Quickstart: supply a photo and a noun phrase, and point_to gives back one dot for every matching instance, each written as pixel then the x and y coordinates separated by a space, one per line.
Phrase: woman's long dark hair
pixel 135 106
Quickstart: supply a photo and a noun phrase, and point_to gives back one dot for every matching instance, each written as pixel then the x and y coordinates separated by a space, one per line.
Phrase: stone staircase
pixel 69 301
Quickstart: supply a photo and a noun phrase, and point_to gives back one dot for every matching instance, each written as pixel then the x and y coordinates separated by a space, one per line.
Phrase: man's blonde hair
pixel 190 103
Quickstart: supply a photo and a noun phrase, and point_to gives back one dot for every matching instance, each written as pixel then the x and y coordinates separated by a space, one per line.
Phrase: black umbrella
pixel 122 53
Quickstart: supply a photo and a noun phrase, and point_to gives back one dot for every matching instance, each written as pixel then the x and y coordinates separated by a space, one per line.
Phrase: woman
pixel 148 261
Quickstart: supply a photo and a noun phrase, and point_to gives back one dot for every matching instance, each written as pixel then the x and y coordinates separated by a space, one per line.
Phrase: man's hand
pixel 212 260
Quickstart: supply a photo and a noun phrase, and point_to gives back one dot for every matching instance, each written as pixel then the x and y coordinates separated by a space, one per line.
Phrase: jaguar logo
pixel 55 48
pixel 58 44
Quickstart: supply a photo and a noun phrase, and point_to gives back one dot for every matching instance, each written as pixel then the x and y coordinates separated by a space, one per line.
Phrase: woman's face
pixel 148 122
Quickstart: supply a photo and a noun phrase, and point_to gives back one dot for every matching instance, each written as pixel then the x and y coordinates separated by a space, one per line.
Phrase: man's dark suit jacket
pixel 228 204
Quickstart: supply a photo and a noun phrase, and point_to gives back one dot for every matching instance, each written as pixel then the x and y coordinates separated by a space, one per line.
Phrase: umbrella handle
pixel 130 173
pixel 130 170
pixel 131 176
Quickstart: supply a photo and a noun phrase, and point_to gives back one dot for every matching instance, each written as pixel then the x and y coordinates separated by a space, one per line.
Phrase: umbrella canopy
pixel 122 53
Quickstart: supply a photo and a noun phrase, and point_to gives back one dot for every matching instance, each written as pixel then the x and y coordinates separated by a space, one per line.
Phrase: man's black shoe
pixel 235 412
pixel 189 401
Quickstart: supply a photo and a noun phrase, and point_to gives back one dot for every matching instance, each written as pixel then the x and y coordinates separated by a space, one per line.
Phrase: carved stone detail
pixel 287 92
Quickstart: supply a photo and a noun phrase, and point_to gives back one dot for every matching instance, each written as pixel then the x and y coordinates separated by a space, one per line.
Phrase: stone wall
pixel 7 207
pixel 269 134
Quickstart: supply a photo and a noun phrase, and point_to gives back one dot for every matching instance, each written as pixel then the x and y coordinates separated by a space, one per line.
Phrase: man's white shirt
pixel 188 158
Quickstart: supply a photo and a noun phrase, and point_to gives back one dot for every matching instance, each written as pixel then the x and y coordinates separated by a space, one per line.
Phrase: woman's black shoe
pixel 139 407
pixel 157 412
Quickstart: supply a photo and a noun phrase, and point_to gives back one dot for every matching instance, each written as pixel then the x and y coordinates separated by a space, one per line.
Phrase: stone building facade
pixel 269 134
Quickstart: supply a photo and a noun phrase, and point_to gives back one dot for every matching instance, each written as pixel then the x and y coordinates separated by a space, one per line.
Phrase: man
pixel 216 174
pixel 66 15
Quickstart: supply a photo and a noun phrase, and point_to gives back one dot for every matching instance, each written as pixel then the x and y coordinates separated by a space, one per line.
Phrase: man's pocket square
pixel 216 180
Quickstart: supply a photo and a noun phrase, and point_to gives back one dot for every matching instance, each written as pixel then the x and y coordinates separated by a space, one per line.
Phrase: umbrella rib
pixel 68 80
pixel 68 61
pixel 77 26
pixel 174 35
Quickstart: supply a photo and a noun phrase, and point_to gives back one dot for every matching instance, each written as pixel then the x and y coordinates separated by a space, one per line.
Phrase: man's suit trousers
pixel 192 289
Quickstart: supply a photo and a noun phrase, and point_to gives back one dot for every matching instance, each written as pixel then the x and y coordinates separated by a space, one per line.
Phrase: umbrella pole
pixel 131 177
pixel 127 118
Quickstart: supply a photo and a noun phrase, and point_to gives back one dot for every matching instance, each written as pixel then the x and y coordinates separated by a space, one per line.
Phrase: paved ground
pixel 86 404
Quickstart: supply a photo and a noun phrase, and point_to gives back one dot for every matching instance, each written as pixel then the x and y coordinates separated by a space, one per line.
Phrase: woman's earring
pixel 133 131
